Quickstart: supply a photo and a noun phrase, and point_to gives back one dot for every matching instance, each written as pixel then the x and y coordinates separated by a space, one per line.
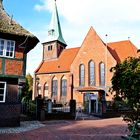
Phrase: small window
pixel 2 91
pixel 49 47
pixel 39 89
pixel 7 48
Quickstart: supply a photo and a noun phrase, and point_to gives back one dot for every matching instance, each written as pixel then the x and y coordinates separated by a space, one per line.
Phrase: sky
pixel 119 19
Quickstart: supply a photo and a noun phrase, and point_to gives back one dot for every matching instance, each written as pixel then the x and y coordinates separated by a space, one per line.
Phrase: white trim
pixel 5 48
pixel 4 94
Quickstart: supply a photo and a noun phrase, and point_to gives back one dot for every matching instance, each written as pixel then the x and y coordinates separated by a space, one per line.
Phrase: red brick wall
pixel 43 78
pixel 13 67
pixel 19 52
pixel 50 54
pixel 54 53
pixel 92 49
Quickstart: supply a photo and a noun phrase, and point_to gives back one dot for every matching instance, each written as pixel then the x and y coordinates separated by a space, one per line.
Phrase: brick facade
pixel 54 52
pixel 19 52
pixel 47 78
pixel 92 49
pixel 13 67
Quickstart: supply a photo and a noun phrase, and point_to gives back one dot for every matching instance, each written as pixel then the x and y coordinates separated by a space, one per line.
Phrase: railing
pixel 61 109
pixel 50 107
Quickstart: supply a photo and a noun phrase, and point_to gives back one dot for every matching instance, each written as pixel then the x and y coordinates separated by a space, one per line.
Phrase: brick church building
pixel 81 73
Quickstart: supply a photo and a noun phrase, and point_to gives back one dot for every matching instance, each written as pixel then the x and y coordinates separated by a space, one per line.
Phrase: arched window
pixel 91 73
pixel 46 92
pixel 64 87
pixel 54 87
pixel 82 75
pixel 102 74
pixel 39 89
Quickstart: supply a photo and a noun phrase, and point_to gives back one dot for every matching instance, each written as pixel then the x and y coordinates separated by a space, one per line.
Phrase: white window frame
pixel 6 46
pixel 4 91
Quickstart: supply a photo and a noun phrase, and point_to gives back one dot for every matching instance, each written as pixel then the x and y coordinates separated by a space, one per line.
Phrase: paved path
pixel 101 129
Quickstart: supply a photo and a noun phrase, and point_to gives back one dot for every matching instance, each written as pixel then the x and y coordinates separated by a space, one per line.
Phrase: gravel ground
pixel 24 126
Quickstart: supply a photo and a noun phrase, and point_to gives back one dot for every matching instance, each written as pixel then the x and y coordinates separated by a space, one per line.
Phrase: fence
pixel 50 107
pixel 28 108
pixel 35 109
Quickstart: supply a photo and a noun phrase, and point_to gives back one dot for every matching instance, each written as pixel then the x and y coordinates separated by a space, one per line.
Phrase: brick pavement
pixel 101 129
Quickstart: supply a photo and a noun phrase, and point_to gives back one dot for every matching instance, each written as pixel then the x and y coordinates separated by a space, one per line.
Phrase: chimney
pixel 1 5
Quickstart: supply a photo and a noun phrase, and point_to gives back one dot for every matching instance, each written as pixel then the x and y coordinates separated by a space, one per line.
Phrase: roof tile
pixel 122 49
pixel 62 64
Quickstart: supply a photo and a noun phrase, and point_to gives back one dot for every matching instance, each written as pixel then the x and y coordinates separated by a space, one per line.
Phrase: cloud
pixel 107 16
pixel 77 11
pixel 46 5
pixel 114 17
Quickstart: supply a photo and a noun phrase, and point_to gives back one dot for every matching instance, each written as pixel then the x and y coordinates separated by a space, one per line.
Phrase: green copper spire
pixel 54 31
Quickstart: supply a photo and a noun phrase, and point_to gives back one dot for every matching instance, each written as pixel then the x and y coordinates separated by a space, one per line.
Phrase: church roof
pixel 62 64
pixel 54 31
pixel 10 27
pixel 119 50
pixel 122 49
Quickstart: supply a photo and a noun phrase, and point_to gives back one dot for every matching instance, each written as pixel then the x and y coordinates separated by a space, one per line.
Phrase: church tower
pixel 55 43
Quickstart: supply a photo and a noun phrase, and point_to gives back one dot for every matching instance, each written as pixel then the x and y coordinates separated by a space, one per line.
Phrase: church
pixel 81 73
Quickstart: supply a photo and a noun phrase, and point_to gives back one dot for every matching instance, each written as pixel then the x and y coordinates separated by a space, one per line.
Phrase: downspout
pixel 71 86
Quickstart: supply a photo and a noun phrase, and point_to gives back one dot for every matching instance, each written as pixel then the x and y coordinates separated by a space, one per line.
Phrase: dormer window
pixel 7 48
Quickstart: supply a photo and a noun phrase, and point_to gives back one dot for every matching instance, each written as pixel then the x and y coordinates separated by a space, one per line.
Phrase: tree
pixel 27 88
pixel 126 84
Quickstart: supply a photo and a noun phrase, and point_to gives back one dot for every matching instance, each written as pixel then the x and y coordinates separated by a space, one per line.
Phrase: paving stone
pixel 100 129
